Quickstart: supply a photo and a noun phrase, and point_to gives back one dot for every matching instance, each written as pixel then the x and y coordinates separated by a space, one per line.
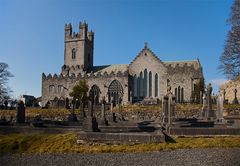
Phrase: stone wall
pixel 60 86
pixel 229 88
pixel 183 74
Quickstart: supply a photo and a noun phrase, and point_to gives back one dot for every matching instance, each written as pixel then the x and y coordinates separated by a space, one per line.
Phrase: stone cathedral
pixel 144 79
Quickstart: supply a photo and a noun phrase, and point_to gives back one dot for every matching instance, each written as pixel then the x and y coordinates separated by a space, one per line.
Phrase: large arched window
pixel 94 94
pixel 141 85
pixel 150 84
pixel 73 53
pixel 156 85
pixel 179 95
pixel 115 91
pixel 182 95
pixel 135 86
pixel 145 83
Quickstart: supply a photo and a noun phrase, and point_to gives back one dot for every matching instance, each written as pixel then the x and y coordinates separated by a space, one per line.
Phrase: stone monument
pixel 168 107
pixel 72 117
pixel 90 122
pixel 204 106
pixel 220 101
pixel 103 120
pixel 20 112
pixel 235 100
pixel 209 111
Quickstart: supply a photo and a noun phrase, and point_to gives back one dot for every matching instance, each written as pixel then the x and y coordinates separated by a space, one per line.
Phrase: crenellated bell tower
pixel 78 49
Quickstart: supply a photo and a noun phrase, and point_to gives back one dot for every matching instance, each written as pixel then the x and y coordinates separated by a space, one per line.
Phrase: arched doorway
pixel 94 94
pixel 115 91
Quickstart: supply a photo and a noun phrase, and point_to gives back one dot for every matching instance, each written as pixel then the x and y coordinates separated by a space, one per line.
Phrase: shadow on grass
pixel 168 138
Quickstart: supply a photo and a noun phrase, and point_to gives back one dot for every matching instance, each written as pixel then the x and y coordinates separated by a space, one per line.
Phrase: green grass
pixel 52 113
pixel 64 143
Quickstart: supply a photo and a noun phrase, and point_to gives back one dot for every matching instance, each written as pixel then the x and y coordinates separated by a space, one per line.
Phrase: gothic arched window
pixel 73 53
pixel 141 85
pixel 135 86
pixel 150 84
pixel 145 83
pixel 94 94
pixel 156 85
pixel 115 91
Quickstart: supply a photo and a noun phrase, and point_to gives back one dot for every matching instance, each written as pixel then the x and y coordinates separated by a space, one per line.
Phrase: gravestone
pixel 103 120
pixel 220 100
pixel 20 112
pixel 90 122
pixel 235 100
pixel 82 111
pixel 168 107
pixel 209 111
pixel 111 107
pixel 165 109
pixel 204 105
pixel 72 117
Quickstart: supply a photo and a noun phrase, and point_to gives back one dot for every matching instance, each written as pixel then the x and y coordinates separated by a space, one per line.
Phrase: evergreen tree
pixel 79 91
pixel 230 59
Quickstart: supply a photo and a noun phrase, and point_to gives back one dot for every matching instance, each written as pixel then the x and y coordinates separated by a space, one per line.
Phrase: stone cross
pixel 210 112
pixel 235 100
pixel 204 99
pixel 170 109
pixel 220 106
pixel 20 112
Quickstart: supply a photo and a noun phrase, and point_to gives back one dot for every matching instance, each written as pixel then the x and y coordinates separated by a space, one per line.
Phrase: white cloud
pixel 218 82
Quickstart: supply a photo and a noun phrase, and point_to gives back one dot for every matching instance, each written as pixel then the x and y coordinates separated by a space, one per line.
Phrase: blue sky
pixel 32 34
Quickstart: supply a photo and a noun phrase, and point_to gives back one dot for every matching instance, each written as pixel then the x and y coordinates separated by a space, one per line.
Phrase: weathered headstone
pixel 103 120
pixel 82 111
pixel 120 104
pixel 210 112
pixel 72 117
pixel 219 106
pixel 90 122
pixel 165 109
pixel 204 106
pixel 168 106
pixel 20 112
pixel 235 100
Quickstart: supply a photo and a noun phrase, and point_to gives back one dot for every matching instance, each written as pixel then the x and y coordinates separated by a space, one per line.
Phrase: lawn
pixel 66 143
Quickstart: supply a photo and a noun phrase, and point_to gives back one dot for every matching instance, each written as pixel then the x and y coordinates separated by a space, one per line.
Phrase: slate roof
pixel 110 68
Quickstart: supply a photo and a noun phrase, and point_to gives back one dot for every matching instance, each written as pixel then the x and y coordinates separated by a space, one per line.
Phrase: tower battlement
pixel 78 47
pixel 82 34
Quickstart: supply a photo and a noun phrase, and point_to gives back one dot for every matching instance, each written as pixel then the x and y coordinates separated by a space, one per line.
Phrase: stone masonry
pixel 146 77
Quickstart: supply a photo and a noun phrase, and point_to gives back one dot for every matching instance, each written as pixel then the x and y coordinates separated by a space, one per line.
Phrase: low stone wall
pixel 120 138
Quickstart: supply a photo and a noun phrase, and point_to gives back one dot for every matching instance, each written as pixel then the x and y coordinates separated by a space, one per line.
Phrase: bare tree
pixel 230 59
pixel 4 77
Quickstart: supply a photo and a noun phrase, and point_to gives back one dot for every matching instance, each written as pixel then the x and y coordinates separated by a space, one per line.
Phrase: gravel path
pixel 209 157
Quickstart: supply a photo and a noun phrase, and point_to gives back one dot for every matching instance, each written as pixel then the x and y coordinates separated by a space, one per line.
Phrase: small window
pixel 73 53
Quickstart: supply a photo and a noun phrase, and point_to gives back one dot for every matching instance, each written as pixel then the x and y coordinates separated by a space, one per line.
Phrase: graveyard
pixel 122 128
